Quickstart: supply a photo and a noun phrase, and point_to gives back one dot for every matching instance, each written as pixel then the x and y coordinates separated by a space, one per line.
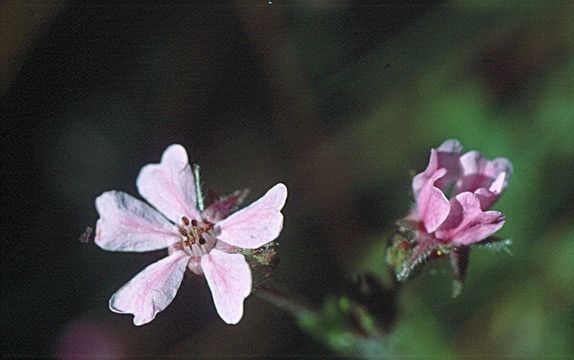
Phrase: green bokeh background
pixel 339 100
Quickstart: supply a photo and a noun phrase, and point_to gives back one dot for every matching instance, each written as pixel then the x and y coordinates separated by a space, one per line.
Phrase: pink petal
pixel 432 205
pixel 257 224
pixel 229 279
pixel 195 265
pixel 128 224
pixel 467 223
pixel 169 186
pixel 445 156
pixel 194 261
pixel 450 146
pixel 499 165
pixel 152 290
pixel 499 184
pixel 487 197
pixel 478 172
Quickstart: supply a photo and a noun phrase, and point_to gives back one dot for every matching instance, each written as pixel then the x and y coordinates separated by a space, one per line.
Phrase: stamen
pixel 193 233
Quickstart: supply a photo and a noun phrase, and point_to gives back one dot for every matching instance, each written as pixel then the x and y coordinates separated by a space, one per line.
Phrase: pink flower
pixel 439 225
pixel 207 242
pixel 476 184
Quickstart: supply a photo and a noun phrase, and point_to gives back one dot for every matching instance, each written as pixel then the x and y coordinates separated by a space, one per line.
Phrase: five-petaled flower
pixel 438 225
pixel 207 242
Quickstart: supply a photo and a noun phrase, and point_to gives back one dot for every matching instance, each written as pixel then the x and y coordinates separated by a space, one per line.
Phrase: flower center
pixel 196 236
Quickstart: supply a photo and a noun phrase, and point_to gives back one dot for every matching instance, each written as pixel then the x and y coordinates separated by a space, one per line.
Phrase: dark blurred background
pixel 340 100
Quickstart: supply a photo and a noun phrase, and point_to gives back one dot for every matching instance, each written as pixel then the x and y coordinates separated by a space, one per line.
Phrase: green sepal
pixel 262 261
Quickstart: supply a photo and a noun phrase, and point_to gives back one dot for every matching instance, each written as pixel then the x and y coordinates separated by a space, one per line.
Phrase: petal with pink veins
pixel 229 279
pixel 479 172
pixel 432 205
pixel 128 224
pixel 194 261
pixel 169 186
pixel 257 224
pixel 445 156
pixel 487 197
pixel 467 223
pixel 152 290
pixel 195 265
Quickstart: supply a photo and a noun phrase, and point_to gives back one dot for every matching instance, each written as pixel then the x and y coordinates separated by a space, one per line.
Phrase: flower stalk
pixel 198 191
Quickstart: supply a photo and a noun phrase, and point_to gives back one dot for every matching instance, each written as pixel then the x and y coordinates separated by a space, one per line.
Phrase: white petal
pixel 152 290
pixel 229 279
pixel 169 186
pixel 257 224
pixel 128 224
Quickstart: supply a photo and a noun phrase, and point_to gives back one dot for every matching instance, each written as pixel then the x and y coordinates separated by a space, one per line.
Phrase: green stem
pixel 284 301
pixel 198 192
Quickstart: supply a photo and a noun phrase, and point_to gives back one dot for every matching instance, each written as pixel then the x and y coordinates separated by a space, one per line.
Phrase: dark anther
pixel 185 220
pixel 201 241
pixel 193 222
pixel 183 232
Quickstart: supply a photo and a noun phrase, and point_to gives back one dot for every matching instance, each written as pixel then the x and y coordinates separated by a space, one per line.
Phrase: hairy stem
pixel 284 301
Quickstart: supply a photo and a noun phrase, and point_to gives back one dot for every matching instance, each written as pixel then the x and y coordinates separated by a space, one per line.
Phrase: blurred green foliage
pixel 500 78
pixel 347 328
